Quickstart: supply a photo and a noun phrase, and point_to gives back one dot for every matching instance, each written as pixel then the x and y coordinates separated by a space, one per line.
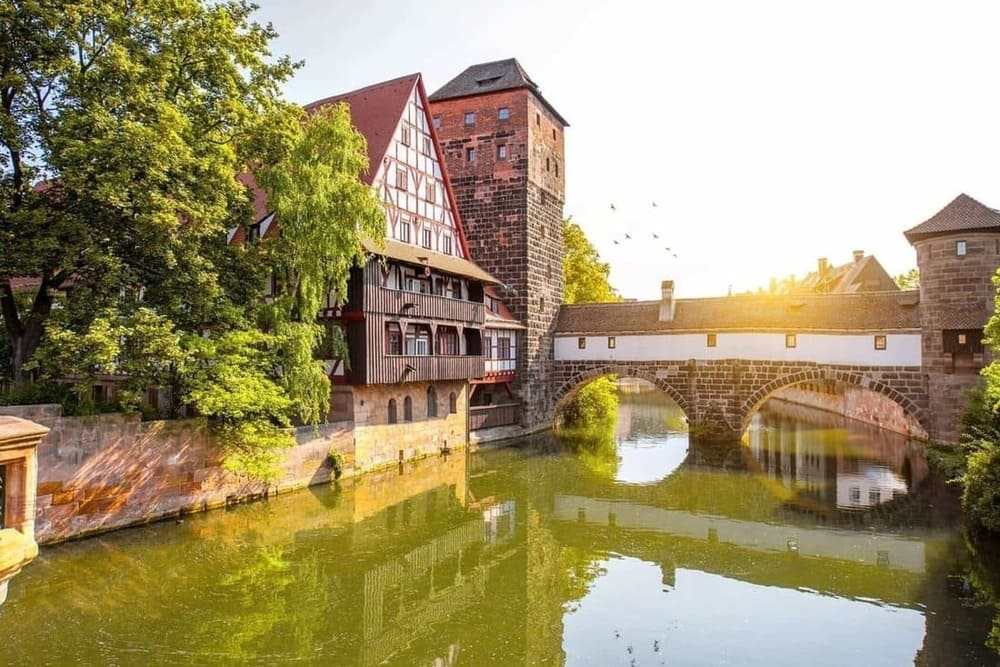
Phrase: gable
pixel 413 187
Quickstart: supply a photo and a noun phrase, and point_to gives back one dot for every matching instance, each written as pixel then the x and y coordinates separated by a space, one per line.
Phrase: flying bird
pixel 615 241
pixel 627 236
pixel 655 235
pixel 612 206
pixel 654 204
pixel 667 249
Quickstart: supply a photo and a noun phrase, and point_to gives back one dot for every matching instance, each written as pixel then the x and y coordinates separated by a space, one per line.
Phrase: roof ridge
pixel 373 86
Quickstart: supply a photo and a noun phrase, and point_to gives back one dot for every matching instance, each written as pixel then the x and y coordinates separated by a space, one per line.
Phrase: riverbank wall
pixel 109 471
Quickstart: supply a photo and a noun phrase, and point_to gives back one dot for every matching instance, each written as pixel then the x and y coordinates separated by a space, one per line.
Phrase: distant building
pixel 863 274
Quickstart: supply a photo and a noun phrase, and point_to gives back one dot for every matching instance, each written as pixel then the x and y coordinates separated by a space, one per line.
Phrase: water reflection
pixel 527 555
pixel 651 437
pixel 826 462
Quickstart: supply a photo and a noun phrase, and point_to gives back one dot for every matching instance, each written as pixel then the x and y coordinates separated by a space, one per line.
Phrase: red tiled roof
pixel 375 112
pixel 963 213
pixel 867 311
pixel 503 318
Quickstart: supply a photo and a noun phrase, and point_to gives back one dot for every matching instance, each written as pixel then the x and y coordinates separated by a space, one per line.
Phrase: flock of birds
pixel 628 237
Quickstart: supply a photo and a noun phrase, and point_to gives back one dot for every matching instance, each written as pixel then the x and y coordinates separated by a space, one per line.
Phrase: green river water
pixel 816 541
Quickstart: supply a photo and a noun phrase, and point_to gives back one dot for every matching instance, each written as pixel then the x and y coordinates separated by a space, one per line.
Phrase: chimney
pixel 822 267
pixel 667 301
pixel 858 255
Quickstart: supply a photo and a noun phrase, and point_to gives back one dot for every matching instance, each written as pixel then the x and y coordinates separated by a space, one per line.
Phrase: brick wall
pixel 949 283
pixel 108 471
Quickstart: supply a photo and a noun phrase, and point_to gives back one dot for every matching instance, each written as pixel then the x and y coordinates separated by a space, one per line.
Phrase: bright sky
pixel 768 133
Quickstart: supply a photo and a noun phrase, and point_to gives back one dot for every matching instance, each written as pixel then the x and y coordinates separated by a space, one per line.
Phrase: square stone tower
pixel 503 146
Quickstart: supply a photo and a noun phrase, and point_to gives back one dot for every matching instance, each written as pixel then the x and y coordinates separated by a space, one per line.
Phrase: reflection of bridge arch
pixel 819 373
pixel 568 388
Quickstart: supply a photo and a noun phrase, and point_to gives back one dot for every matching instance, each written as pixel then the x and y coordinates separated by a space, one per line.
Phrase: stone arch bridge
pixel 720 358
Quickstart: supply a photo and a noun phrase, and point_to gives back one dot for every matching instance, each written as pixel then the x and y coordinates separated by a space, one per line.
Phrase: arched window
pixel 407 409
pixel 392 410
pixel 432 402
pixel 452 403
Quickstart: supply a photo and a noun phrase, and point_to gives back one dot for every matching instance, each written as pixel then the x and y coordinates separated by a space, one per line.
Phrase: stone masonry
pixel 719 397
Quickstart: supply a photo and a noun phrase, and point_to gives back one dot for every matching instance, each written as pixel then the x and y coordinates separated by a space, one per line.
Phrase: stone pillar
pixel 19 439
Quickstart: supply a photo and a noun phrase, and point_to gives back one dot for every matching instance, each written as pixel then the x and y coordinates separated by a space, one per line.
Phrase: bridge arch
pixel 568 388
pixel 857 379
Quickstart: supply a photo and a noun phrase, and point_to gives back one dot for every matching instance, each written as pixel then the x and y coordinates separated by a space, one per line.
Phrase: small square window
pixel 581 343
pixel 880 342
pixel 711 340
pixel 470 118
pixel 960 248
pixel 962 339
pixel 790 340
pixel 503 113
pixel 437 122
pixel 502 152
pixel 470 154
pixel 611 342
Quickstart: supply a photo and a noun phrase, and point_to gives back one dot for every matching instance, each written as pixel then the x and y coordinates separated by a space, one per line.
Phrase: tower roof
pixel 963 214
pixel 493 77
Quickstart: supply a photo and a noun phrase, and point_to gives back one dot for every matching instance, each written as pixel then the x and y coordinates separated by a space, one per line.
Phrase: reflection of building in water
pixel 431 583
pixel 649 412
pixel 830 460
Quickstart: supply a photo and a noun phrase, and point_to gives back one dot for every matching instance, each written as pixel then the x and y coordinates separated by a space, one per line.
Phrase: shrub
pixel 981 496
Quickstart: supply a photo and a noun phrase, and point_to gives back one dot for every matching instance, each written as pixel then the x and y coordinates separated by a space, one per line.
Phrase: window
pixel 407 409
pixel 553 134
pixel 470 118
pixel 611 342
pixel 404 231
pixel 418 340
pixel 963 339
pixel 790 340
pixel 855 495
pixel 541 303
pixel 430 191
pixel 456 289
pixel 432 402
pixel 404 135
pixel 447 339
pixel 503 348
pixel 401 180
pixel 503 113
pixel 557 167
pixel 874 496
pixel 394 338
pixel 437 122
pixel 470 154
pixel 426 238
pixel 880 342
pixel 581 343
pixel 253 233
pixel 548 164
pixel 538 119
pixel 446 244
pixel 427 145
pixel 391 410
pixel 502 152
pixel 452 403
pixel 711 340
pixel 960 248
pixel 488 348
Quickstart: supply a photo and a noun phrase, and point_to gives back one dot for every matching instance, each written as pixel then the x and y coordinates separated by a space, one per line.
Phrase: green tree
pixel 908 280
pixel 122 126
pixel 585 275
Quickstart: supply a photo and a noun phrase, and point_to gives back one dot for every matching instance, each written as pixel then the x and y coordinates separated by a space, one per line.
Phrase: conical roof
pixel 963 214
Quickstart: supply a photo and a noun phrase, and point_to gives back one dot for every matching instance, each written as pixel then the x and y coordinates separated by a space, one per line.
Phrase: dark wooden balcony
pixel 413 368
pixel 424 306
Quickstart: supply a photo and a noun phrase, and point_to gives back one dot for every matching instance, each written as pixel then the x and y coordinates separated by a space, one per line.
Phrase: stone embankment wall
pixel 858 404
pixel 109 471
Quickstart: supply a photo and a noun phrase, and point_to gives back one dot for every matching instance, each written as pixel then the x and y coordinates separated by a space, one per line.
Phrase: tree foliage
pixel 585 275
pixel 908 280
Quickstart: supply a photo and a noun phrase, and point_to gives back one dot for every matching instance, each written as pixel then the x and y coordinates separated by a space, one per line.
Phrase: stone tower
pixel 503 145
pixel 958 251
